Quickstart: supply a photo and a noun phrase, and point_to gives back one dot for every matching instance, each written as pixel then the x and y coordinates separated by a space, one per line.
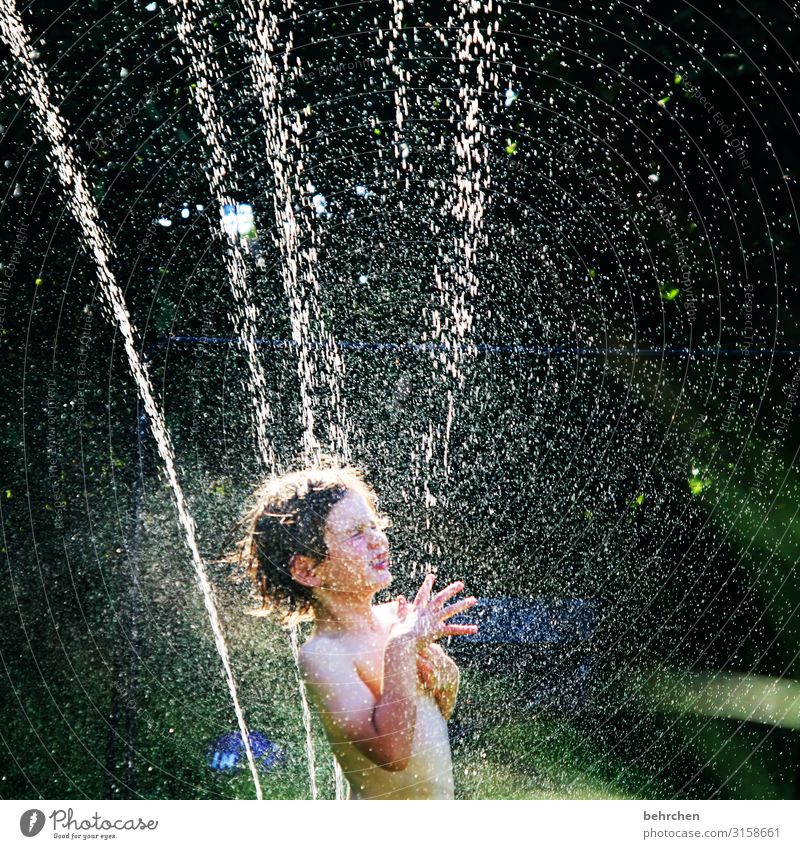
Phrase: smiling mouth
pixel 381 563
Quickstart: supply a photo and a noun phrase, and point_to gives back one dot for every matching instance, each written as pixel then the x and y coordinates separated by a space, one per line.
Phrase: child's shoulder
pixel 324 645
pixel 318 644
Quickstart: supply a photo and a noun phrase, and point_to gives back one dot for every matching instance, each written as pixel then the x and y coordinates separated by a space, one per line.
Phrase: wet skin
pixel 382 685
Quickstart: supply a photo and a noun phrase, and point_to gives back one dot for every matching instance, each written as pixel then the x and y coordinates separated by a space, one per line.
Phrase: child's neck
pixel 345 612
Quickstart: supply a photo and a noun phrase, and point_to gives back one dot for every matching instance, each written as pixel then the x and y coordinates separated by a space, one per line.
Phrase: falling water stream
pixel 32 84
pixel 454 273
pixel 205 69
pixel 295 236
pixel 297 206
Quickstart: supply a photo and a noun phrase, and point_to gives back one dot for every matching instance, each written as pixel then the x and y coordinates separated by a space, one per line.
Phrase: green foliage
pixel 698 482
pixel 668 292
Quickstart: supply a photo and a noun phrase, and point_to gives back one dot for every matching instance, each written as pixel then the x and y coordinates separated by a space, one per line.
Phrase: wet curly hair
pixel 288 518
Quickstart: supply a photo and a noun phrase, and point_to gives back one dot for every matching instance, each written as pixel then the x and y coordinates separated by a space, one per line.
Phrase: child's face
pixel 358 550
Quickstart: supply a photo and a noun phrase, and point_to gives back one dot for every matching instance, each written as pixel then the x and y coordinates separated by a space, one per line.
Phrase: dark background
pixel 653 483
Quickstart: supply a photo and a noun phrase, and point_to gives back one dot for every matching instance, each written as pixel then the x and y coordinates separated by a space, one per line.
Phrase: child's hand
pixel 426 619
pixel 437 669
pixel 439 674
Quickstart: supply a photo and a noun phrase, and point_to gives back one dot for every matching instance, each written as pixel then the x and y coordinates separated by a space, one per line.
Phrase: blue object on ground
pixel 227 753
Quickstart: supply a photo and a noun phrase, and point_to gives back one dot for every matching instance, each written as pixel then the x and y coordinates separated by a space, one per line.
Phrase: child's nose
pixel 377 537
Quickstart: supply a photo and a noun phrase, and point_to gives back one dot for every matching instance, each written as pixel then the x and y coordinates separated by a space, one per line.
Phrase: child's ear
pixel 301 568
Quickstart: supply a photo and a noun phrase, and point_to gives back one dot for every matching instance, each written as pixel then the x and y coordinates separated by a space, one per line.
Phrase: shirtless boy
pixel 316 549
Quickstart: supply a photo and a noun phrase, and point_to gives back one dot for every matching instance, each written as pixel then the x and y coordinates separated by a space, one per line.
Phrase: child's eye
pixel 382 522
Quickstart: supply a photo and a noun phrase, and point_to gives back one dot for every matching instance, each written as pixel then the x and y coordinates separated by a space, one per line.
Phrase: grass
pixel 510 753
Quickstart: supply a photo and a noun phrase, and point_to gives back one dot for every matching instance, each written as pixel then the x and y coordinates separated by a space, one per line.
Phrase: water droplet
pixel 320 206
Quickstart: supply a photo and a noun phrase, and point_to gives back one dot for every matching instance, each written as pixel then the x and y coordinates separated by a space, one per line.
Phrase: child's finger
pixel 435 651
pixel 424 592
pixel 459 630
pixel 448 592
pixel 458 607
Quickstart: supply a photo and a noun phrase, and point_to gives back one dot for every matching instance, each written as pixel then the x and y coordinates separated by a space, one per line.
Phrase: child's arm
pixel 416 628
pixel 441 675
pixel 382 729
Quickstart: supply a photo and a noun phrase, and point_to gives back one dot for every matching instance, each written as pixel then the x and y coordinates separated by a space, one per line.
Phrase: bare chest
pixel 368 656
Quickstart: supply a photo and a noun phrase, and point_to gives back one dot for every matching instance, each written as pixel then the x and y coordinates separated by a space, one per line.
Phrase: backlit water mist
pixel 530 267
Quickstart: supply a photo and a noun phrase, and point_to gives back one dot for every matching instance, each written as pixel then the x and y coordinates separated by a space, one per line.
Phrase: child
pixel 316 549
